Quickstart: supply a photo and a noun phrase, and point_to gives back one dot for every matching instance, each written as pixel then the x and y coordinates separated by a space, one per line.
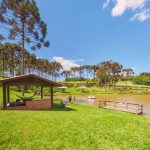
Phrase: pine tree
pixel 23 21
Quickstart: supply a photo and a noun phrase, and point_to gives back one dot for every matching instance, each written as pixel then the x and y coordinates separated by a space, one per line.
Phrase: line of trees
pixel 10 63
pixel 23 24
pixel 80 73
pixel 106 73
pixel 109 72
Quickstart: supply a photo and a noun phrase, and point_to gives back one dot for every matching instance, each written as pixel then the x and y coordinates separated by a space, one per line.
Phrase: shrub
pixel 141 80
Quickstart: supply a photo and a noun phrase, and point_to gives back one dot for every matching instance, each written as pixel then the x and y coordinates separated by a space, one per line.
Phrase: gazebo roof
pixel 63 87
pixel 29 79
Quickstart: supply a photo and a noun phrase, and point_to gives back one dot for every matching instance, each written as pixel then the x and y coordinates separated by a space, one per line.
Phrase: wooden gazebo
pixel 29 79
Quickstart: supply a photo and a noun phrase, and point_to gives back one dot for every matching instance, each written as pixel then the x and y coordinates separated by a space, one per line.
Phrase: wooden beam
pixel 8 94
pixel 51 95
pixel 41 92
pixel 31 81
pixel 4 97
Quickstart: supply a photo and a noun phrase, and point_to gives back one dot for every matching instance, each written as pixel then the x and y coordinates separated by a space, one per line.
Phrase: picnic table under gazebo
pixel 62 88
pixel 82 88
pixel 26 80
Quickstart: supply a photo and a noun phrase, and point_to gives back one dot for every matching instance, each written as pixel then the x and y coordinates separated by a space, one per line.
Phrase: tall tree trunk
pixel 66 79
pixel 23 54
pixel 105 82
pixel 74 77
pixel 12 65
pixel 23 49
pixel 127 83
pixel 87 77
pixel 3 67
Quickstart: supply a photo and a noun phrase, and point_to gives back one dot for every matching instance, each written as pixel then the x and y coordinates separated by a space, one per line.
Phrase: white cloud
pixel 66 63
pixel 122 5
pixel 139 7
pixel 106 4
pixel 142 15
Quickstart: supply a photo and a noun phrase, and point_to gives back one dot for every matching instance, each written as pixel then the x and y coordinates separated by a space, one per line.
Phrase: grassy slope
pixel 93 90
pixel 99 90
pixel 120 89
pixel 76 127
pixel 131 84
pixel 119 83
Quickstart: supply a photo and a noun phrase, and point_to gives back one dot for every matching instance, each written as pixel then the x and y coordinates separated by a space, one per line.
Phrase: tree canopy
pixel 22 20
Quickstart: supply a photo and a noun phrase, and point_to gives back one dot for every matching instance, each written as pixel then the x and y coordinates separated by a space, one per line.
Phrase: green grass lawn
pixel 130 84
pixel 119 83
pixel 74 128
pixel 89 90
pixel 101 90
pixel 120 89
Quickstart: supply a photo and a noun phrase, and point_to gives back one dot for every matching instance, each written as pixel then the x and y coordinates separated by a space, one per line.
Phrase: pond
pixel 139 99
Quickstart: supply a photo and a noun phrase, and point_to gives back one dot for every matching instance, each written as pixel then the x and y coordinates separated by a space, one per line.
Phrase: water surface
pixel 139 99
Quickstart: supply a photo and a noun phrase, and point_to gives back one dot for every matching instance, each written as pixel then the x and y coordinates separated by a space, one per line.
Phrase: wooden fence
pixel 122 106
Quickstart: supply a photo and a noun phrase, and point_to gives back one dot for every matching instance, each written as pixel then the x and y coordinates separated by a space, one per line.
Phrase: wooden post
pixel 51 94
pixel 126 105
pixel 4 97
pixel 8 94
pixel 114 104
pixel 41 92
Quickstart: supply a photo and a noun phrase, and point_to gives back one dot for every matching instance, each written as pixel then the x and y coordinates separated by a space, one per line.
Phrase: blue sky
pixel 88 32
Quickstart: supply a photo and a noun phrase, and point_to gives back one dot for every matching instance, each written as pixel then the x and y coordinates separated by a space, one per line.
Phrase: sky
pixel 90 31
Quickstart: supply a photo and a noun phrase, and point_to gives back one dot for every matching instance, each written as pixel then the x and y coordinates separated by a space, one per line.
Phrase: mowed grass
pixel 88 90
pixel 122 87
pixel 100 90
pixel 130 84
pixel 77 127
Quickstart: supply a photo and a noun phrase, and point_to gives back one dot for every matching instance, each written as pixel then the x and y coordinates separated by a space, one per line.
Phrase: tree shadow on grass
pixel 66 92
pixel 84 91
pixel 56 107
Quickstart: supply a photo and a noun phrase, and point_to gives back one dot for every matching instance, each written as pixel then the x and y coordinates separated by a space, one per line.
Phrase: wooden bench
pixel 63 104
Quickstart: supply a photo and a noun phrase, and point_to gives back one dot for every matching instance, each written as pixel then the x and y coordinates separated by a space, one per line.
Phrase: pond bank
pixel 99 90
pixel 132 98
